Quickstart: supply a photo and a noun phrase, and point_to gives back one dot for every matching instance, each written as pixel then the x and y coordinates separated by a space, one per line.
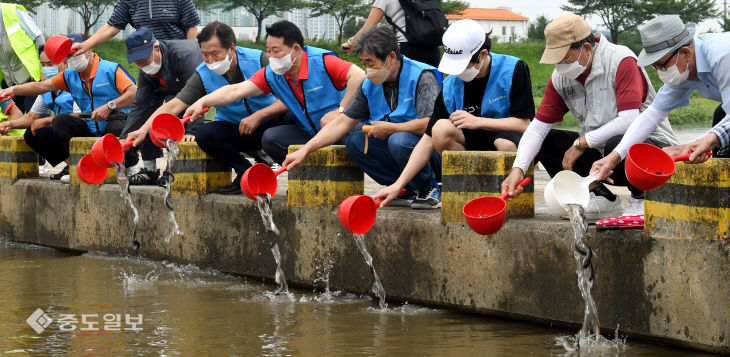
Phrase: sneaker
pixel 59 175
pixel 404 200
pixel 428 200
pixel 144 177
pixel 636 207
pixel 233 189
pixel 133 170
pixel 65 178
pixel 602 207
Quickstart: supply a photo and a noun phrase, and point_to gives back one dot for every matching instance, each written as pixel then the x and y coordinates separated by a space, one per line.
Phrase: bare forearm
pixel 420 156
pixel 330 134
pixel 34 88
pixel 24 121
pixel 174 106
pixel 373 19
pixel 191 33
pixel 104 34
pixel 228 94
pixel 127 98
pixel 416 126
pixel 274 110
pixel 505 124
pixel 355 76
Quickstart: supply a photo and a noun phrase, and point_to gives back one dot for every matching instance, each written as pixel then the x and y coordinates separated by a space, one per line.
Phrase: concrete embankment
pixel 671 290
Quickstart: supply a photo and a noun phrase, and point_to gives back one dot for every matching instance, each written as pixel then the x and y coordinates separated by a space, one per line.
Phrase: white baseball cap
pixel 461 41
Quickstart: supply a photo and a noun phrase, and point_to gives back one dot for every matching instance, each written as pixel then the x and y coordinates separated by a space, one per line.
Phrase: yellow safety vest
pixel 22 44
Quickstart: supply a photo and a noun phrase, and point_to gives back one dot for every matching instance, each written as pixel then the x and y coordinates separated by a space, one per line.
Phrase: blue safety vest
pixel 496 101
pixel 103 90
pixel 63 104
pixel 249 61
pixel 405 110
pixel 320 94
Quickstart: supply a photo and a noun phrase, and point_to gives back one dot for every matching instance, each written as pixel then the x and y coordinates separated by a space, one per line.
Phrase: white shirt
pixel 395 13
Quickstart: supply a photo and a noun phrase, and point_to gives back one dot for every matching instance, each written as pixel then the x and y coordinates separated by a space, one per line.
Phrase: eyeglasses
pixel 663 66
pixel 567 60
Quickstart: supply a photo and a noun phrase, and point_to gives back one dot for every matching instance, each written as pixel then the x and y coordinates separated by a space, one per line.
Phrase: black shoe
pixel 144 177
pixel 233 189
pixel 58 176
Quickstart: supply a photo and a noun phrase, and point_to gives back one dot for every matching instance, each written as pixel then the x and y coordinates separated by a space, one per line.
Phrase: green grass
pixel 698 113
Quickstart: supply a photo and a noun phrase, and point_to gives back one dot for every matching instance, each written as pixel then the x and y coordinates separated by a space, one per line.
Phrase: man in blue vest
pixel 397 99
pixel 99 87
pixel 313 83
pixel 485 104
pixel 165 66
pixel 239 124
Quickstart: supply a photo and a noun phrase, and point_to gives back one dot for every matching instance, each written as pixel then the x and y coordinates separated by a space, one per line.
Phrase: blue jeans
pixel 386 159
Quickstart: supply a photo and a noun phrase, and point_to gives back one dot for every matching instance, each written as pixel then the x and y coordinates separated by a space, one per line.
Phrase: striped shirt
pixel 722 130
pixel 168 19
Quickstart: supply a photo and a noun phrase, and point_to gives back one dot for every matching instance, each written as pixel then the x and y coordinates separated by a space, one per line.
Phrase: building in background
pixel 504 24
pixel 63 21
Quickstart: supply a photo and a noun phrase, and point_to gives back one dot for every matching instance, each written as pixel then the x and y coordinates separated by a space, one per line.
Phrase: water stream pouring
pixel 486 215
pixel 167 126
pixel 89 171
pixel 649 167
pixel 58 47
pixel 263 202
pixel 259 180
pixel 567 187
pixel 107 150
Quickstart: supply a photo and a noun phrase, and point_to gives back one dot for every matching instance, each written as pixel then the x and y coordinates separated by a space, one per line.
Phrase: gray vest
pixel 595 103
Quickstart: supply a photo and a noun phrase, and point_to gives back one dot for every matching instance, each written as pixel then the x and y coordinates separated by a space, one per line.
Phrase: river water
pixel 192 312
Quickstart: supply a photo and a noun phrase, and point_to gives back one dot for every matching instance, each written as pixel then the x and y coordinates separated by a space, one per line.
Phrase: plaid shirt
pixel 722 130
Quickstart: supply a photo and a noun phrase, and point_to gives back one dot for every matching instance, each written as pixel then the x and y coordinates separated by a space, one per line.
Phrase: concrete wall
pixel 671 290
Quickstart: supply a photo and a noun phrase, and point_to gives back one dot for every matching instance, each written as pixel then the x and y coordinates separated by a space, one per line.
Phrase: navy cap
pixel 139 44
pixel 75 37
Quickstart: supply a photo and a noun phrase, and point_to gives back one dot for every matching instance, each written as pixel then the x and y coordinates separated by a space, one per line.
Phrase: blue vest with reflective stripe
pixel 103 90
pixel 320 94
pixel 407 82
pixel 496 101
pixel 249 61
pixel 64 103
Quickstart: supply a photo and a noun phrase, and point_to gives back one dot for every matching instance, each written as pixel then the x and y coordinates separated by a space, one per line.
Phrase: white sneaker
pixel 65 178
pixel 132 170
pixel 636 207
pixel 601 207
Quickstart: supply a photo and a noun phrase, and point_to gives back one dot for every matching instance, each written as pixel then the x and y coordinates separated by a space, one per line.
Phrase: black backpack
pixel 425 23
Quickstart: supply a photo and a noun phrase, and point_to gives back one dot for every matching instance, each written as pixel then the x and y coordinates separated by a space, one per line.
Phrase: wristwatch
pixel 111 105
pixel 576 144
pixel 341 109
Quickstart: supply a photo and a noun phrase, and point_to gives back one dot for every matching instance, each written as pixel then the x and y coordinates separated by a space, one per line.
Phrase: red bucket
pixel 107 150
pixel 486 215
pixel 260 179
pixel 58 47
pixel 167 126
pixel 89 172
pixel 357 213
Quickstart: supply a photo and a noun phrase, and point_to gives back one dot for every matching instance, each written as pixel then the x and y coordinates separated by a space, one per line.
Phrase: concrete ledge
pixel 673 291
pixel 196 173
pixel 694 204
pixel 326 177
pixel 471 174
pixel 17 159
pixel 79 147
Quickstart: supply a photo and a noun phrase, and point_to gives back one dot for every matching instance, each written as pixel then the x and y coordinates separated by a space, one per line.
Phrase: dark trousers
pixel 52 142
pixel 149 150
pixel 558 142
pixel 718 117
pixel 428 55
pixel 222 141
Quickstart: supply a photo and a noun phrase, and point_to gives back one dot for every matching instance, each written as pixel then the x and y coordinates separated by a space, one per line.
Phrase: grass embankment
pixel 698 113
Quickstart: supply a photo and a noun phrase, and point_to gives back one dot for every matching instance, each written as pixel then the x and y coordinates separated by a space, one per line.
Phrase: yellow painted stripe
pixel 111 177
pixel 666 220
pixel 314 193
pixel 199 183
pixel 18 170
pixel 190 150
pixel 478 163
pixel 81 145
pixel 14 143
pixel 452 205
pixel 333 155
pixel 713 173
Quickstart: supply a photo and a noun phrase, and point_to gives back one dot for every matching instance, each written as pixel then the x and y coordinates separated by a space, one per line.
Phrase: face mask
pixel 220 67
pixel 378 75
pixel 672 76
pixel 470 72
pixel 281 65
pixel 50 72
pixel 572 70
pixel 153 67
pixel 78 63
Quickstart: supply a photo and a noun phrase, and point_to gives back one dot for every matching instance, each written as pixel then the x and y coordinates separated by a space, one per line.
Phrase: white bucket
pixel 567 187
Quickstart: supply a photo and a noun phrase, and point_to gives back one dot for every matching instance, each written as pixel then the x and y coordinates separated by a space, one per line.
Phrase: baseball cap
pixel 75 37
pixel 139 44
pixel 461 41
pixel 560 34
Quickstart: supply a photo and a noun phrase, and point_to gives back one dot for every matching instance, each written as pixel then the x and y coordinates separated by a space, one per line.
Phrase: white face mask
pixel 378 75
pixel 471 72
pixel 78 63
pixel 222 66
pixel 49 72
pixel 572 70
pixel 153 67
pixel 281 65
pixel 672 76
